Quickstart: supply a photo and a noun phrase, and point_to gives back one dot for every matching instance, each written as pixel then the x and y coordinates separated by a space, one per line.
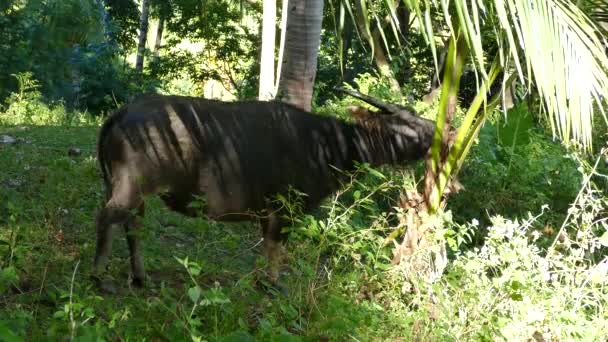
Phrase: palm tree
pixel 299 64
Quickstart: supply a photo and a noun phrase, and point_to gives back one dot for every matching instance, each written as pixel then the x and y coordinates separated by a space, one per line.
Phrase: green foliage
pixel 229 39
pixel 378 87
pixel 28 107
pixel 510 289
pixel 67 47
pixel 515 132
pixel 516 168
pixel 124 18
pixel 347 59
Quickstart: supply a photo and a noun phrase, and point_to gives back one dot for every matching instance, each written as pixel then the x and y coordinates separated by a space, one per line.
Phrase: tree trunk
pixel 143 33
pixel 267 57
pixel 159 37
pixel 302 40
pixel 283 28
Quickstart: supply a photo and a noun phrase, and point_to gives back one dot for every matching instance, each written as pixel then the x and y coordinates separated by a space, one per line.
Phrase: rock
pixel 7 139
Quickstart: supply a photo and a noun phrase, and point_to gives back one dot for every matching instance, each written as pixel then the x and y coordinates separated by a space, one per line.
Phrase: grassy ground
pixel 340 286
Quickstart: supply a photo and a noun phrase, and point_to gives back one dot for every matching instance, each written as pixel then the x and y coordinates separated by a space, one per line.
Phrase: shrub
pixel 510 289
pixel 28 107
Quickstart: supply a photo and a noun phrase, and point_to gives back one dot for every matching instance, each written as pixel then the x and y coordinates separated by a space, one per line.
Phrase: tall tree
pixel 302 40
pixel 269 16
pixel 162 10
pixel 159 36
pixel 143 34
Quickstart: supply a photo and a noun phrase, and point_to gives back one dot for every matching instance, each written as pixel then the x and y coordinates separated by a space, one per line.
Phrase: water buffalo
pixel 238 155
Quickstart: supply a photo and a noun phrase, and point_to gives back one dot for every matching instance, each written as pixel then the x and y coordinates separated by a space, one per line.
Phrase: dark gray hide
pixel 239 155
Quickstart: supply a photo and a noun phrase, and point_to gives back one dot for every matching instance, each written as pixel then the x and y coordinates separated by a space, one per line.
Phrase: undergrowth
pixel 517 282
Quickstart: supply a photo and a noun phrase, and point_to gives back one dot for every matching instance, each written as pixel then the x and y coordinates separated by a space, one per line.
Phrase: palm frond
pixel 552 43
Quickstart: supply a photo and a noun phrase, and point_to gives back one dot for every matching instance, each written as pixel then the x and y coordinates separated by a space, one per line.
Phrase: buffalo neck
pixel 357 143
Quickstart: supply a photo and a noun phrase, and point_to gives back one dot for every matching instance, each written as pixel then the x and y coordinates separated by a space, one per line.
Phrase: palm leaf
pixel 552 43
pixel 394 21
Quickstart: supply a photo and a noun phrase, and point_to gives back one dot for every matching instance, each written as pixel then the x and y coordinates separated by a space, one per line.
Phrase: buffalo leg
pixel 132 230
pixel 125 197
pixel 273 238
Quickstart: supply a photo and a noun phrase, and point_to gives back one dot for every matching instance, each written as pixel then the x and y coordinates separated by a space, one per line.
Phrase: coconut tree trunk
pixel 302 40
pixel 143 33
pixel 267 57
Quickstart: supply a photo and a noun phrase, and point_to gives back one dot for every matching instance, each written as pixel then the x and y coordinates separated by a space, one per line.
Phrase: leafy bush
pixel 28 107
pixel 515 169
pixel 510 289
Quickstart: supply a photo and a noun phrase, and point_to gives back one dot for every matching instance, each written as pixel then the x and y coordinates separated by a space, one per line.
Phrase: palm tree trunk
pixel 302 40
pixel 267 57
pixel 143 33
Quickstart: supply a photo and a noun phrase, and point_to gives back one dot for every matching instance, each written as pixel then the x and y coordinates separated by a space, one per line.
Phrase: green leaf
pixel 394 21
pixel 383 36
pixel 194 293
pixel 363 23
pixel 348 7
pixel 517 297
pixel 376 173
pixel 515 131
pixel 340 32
pixel 8 276
pixel 195 269
pixel 237 336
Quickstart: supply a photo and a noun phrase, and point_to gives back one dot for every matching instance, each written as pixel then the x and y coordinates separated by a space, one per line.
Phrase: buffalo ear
pixel 359 112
